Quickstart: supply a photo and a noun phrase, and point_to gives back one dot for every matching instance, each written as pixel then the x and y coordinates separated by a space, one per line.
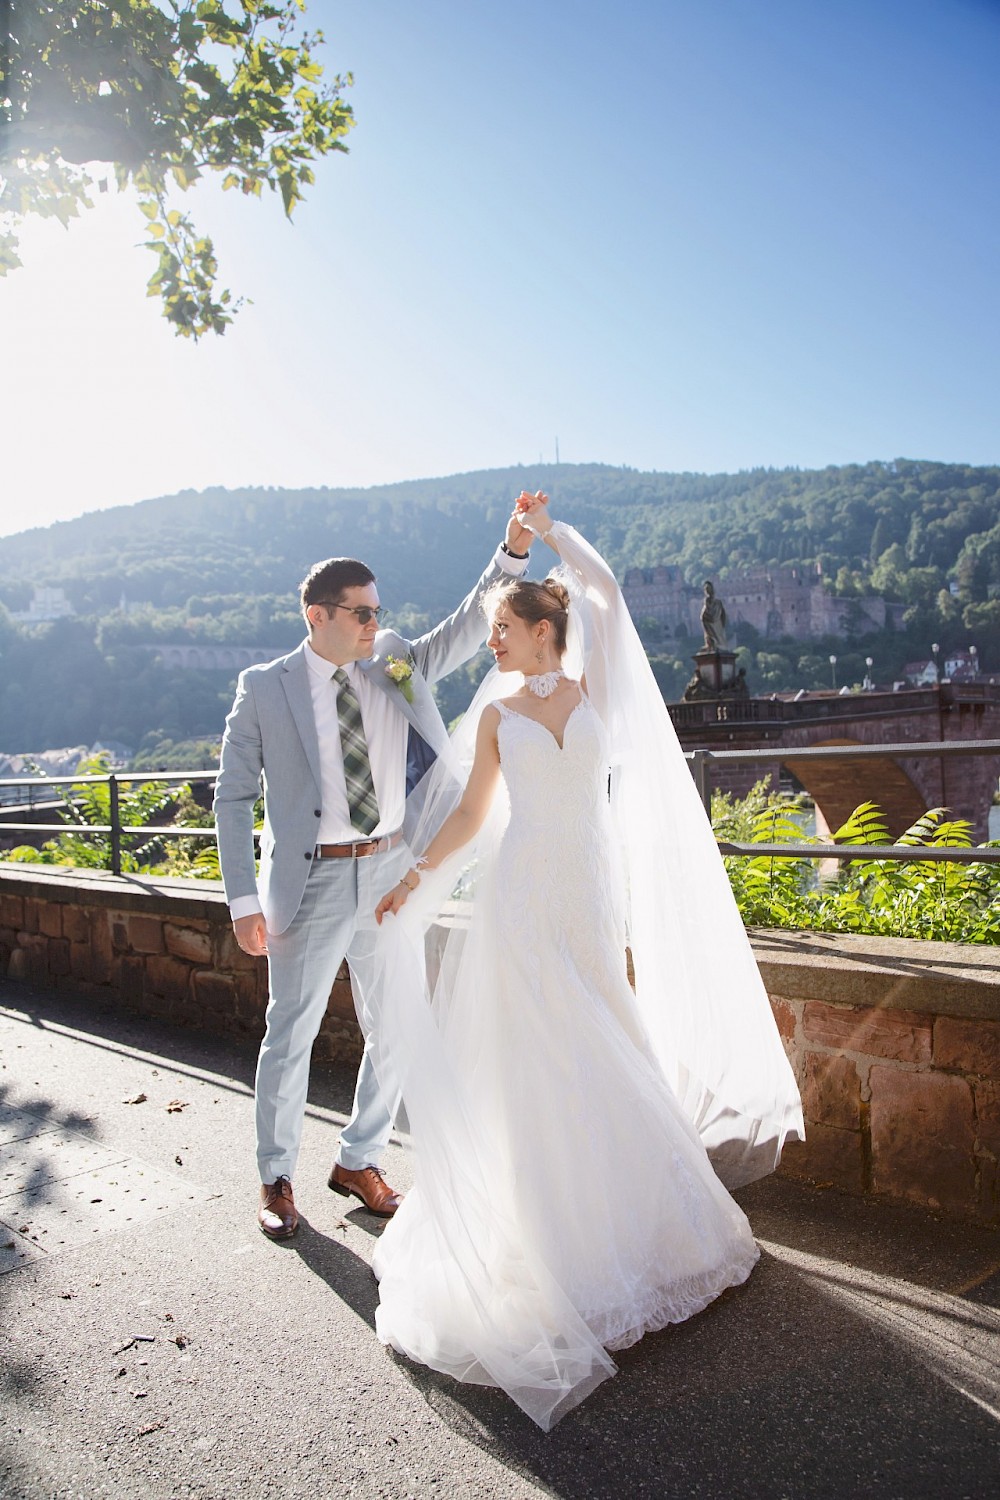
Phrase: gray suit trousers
pixel 335 920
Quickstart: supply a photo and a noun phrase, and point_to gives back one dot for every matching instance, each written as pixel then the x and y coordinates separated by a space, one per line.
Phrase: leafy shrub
pixel 887 898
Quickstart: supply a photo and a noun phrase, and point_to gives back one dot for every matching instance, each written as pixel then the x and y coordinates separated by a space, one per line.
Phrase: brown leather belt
pixel 358 850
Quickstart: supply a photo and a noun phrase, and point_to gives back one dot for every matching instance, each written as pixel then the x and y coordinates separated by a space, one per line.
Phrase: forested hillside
pixel 223 566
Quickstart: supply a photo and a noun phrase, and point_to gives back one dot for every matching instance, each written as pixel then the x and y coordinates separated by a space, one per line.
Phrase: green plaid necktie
pixel 357 767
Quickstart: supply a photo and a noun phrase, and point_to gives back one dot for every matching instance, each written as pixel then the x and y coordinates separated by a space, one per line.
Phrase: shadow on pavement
pixel 776 1390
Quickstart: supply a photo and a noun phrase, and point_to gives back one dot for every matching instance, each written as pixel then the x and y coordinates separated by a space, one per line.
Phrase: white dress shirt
pixel 386 730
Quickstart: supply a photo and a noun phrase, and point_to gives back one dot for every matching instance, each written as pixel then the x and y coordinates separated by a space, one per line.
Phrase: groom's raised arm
pixel 460 636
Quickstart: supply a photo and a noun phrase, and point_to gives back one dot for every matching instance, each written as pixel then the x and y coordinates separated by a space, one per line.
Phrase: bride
pixel 572 1136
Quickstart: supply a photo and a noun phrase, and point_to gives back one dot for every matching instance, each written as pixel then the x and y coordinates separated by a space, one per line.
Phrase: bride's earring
pixel 538 656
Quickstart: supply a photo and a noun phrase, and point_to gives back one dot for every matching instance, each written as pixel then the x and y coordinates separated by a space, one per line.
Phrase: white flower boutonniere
pixel 399 669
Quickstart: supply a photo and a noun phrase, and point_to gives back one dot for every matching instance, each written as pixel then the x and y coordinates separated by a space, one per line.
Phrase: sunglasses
pixel 363 612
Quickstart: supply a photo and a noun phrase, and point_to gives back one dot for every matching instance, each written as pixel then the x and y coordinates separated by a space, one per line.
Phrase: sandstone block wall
pixel 895 1043
pixel 162 947
pixel 896 1047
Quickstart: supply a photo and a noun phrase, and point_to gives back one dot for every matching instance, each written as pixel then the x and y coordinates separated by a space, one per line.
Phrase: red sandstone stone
pixel 227 955
pixel 827 1155
pixel 185 1013
pixel 986 1093
pixel 988 1203
pixel 831 1091
pixel 216 992
pixel 342 1044
pixel 11 911
pixel 38 959
pixel 75 925
pixel 50 919
pixel 145 934
pixel 785 1018
pixel 17 967
pixel 30 914
pixel 902 1035
pixel 101 947
pixel 923 1133
pixel 57 957
pixel 81 962
pixel 250 1010
pixel 342 1001
pixel 131 978
pixel 168 976
pixel 967 1046
pixel 189 943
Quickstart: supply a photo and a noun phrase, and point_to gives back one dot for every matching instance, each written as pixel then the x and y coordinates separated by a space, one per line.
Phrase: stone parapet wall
pixel 162 947
pixel 895 1043
pixel 896 1046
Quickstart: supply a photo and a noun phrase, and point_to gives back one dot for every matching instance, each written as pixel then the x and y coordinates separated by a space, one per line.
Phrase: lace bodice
pixel 559 788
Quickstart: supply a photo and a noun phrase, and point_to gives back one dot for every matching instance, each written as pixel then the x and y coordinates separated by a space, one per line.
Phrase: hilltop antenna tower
pixel 557 451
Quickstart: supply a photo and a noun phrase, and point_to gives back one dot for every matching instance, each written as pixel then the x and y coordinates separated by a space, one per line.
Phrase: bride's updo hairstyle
pixel 532 602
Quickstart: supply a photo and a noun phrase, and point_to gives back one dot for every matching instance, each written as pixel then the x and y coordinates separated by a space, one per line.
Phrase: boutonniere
pixel 399 669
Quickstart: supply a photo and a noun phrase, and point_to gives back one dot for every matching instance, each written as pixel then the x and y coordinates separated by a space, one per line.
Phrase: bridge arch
pixel 837 787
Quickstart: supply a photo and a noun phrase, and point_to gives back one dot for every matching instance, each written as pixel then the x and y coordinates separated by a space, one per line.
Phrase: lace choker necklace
pixel 544 684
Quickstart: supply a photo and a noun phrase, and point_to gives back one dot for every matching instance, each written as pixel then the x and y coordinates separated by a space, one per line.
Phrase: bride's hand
pixel 533 512
pixel 392 902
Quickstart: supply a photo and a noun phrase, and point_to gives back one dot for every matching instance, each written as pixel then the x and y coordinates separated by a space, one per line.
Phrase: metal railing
pixel 700 762
pixel 115 828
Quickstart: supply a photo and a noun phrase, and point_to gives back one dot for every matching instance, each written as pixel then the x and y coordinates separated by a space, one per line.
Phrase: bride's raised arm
pixel 602 614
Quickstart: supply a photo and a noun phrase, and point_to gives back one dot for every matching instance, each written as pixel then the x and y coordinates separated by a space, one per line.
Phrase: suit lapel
pixel 422 712
pixel 295 681
pixel 374 671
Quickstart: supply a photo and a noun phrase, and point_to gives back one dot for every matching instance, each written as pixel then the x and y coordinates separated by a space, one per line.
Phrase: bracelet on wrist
pixel 404 881
pixel 517 556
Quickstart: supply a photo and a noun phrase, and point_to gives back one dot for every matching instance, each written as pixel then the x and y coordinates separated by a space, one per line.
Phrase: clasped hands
pixel 520 537
pixel 531 508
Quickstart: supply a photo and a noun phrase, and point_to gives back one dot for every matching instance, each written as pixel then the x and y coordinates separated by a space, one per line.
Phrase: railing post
pixel 116 826
pixel 699 770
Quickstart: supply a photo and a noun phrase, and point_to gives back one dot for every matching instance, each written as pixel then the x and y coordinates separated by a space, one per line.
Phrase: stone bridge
pixel 903 786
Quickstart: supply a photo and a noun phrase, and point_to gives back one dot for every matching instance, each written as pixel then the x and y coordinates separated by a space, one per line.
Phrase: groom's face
pixel 337 634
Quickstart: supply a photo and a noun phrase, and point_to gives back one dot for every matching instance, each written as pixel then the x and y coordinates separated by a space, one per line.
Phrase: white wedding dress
pixel 565 1203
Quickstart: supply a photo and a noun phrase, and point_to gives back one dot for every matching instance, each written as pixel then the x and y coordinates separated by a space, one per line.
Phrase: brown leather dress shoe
pixel 370 1186
pixel 276 1215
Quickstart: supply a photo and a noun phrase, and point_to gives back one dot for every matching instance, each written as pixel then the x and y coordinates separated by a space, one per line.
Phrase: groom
pixel 328 733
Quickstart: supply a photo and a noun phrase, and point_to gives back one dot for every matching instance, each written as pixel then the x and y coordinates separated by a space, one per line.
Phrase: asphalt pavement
pixel 154 1344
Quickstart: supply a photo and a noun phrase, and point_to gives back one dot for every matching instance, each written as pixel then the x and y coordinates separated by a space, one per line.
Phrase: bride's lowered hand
pixel 394 900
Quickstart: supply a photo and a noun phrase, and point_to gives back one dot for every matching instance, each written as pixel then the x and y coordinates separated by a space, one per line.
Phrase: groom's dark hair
pixel 326 581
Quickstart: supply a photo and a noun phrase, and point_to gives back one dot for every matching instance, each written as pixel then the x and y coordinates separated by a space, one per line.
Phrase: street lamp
pixel 869 663
pixel 833 671
pixel 935 652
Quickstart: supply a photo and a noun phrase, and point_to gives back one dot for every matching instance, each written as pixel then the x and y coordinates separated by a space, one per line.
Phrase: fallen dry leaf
pixel 176 1105
pixel 134 1099
pixel 153 1427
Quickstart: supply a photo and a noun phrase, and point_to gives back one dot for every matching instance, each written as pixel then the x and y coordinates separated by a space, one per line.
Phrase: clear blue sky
pixel 673 234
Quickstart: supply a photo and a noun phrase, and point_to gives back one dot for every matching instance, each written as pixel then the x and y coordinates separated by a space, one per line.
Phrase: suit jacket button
pixel 308 854
pixel 317 813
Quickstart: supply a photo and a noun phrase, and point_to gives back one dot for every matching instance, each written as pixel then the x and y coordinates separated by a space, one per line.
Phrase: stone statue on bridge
pixel 713 620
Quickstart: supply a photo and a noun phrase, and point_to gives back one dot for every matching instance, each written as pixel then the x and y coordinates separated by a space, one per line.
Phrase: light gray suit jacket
pixel 270 744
